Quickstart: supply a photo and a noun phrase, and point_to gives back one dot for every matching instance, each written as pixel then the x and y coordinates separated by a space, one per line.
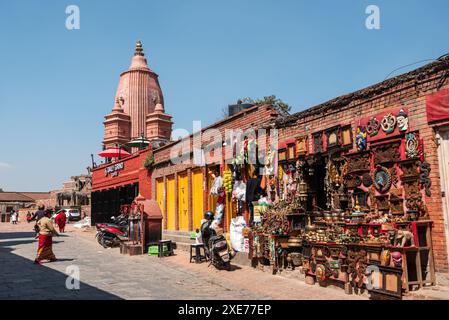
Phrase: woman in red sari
pixel 46 233
pixel 60 220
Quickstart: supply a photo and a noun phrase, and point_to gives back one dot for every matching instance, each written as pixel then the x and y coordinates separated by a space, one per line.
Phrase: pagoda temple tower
pixel 139 106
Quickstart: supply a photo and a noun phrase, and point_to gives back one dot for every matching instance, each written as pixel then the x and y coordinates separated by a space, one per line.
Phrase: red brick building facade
pixel 182 190
pixel 410 91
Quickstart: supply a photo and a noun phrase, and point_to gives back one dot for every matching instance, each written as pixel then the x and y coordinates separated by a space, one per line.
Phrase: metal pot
pixel 328 216
pixel 310 228
pixel 335 216
pixel 296 258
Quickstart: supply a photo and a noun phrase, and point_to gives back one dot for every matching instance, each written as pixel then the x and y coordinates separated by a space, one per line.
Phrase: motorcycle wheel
pixel 99 237
pixel 108 243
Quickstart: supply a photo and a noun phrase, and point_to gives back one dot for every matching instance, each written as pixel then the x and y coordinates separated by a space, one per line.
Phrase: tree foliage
pixel 279 105
pixel 149 161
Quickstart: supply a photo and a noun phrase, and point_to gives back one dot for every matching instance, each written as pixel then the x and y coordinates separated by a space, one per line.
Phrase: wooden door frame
pixel 443 161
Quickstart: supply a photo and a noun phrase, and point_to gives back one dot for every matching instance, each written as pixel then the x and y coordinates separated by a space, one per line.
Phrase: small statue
pixel 405 238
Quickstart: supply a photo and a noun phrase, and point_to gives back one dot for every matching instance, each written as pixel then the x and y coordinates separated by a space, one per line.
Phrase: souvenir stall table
pixel 352 217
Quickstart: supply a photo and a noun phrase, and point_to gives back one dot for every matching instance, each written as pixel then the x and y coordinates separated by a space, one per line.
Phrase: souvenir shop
pixel 348 216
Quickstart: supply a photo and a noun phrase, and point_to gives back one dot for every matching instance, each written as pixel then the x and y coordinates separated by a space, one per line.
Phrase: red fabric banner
pixel 437 106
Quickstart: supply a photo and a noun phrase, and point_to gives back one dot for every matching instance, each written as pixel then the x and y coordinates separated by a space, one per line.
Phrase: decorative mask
pixel 372 127
pixel 360 139
pixel 388 123
pixel 411 145
pixel 397 259
pixel 382 179
pixel 402 120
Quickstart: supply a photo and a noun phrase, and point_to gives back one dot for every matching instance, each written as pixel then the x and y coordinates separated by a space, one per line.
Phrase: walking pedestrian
pixel 38 214
pixel 46 233
pixel 13 217
pixel 36 217
pixel 61 220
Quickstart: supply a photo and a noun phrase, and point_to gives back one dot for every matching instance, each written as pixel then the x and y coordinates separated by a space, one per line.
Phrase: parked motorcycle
pixel 111 234
pixel 217 249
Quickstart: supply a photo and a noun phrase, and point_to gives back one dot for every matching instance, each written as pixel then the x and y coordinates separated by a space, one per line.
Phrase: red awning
pixel 437 106
pixel 113 153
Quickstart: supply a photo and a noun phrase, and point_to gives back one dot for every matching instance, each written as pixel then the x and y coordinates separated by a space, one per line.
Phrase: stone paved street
pixel 106 274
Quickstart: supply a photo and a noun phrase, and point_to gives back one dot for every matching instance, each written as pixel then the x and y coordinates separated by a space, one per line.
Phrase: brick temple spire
pixel 138 92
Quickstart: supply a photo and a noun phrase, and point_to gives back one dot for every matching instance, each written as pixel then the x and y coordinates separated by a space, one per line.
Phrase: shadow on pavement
pixel 21 279
pixel 16 235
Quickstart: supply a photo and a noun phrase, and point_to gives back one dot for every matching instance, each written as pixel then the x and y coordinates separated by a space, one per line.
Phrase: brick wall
pixel 402 96
pixel 410 95
pixel 251 118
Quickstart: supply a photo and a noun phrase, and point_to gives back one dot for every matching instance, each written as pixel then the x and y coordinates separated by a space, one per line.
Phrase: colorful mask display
pixel 360 139
pixel 402 120
pixel 397 259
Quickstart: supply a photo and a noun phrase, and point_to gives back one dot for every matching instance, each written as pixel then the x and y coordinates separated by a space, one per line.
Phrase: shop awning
pixel 437 106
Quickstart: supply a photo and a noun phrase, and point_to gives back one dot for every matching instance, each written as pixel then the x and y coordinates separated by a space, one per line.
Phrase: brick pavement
pixel 106 274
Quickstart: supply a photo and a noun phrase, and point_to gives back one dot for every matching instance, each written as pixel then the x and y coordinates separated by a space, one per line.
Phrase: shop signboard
pixel 114 169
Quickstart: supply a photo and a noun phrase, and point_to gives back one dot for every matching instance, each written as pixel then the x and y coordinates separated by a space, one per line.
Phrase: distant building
pixel 75 193
pixel 21 202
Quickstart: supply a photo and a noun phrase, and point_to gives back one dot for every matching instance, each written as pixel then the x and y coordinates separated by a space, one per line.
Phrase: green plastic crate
pixel 153 250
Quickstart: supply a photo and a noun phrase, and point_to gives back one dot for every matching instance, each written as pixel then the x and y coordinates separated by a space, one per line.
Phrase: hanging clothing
pixel 252 189
pixel 217 184
pixel 239 191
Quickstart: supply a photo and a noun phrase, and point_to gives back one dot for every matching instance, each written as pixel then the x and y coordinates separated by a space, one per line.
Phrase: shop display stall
pixel 354 217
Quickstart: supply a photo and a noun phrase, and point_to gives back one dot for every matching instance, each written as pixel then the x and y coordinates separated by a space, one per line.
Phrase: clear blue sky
pixel 56 85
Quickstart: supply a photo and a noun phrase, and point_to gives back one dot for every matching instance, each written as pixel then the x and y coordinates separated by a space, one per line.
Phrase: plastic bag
pixel 237 239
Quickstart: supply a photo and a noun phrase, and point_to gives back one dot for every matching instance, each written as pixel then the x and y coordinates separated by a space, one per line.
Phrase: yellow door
pixel 170 192
pixel 160 194
pixel 183 202
pixel 197 198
